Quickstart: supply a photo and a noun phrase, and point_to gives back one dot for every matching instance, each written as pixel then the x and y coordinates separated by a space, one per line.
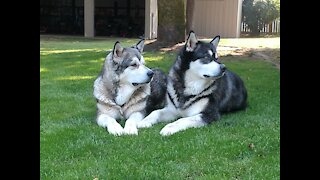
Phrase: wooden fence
pixel 272 28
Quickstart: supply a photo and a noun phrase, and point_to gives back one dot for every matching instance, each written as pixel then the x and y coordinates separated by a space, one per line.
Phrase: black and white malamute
pixel 199 89
pixel 127 89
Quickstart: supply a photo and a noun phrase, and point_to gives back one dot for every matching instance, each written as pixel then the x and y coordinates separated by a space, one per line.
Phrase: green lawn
pixel 242 145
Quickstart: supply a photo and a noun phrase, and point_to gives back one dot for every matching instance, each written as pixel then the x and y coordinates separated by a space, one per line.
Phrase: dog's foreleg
pixel 131 123
pixel 183 124
pixel 161 115
pixel 110 123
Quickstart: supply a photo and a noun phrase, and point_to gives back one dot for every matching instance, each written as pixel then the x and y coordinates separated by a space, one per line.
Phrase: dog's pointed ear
pixel 191 42
pixel 117 50
pixel 215 41
pixel 140 45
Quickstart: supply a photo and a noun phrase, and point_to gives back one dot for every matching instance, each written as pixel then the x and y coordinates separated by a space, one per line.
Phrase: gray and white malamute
pixel 199 89
pixel 127 89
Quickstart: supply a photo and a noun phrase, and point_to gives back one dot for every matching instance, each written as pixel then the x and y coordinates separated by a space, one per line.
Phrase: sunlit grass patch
pixel 154 58
pixel 74 77
pixel 43 70
pixel 48 52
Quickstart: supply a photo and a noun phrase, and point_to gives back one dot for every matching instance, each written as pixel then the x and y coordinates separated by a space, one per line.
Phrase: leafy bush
pixel 256 13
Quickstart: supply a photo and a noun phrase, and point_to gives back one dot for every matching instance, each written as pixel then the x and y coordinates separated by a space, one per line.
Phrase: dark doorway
pixel 121 18
pixel 62 17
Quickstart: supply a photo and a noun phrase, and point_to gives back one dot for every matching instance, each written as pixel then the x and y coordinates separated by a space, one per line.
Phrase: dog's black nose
pixel 150 74
pixel 222 67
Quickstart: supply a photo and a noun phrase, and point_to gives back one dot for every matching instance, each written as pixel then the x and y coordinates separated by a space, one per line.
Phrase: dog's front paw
pixel 115 129
pixel 144 124
pixel 169 129
pixel 130 130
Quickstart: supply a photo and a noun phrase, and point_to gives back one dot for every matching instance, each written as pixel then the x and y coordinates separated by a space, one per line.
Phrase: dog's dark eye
pixel 134 65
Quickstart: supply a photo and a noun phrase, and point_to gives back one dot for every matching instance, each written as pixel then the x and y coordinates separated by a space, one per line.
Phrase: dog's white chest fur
pixel 193 84
pixel 194 87
pixel 124 93
pixel 129 98
pixel 195 108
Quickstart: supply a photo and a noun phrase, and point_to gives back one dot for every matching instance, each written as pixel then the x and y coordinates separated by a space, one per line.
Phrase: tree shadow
pixel 154 45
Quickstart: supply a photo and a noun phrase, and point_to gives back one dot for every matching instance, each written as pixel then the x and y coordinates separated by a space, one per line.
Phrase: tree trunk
pixel 171 21
pixel 270 28
pixel 189 15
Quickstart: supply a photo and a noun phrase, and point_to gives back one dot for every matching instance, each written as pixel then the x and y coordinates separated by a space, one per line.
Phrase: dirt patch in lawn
pixel 266 53
pixel 271 55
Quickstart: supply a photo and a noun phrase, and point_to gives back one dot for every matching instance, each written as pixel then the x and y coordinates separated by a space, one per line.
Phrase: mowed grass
pixel 242 145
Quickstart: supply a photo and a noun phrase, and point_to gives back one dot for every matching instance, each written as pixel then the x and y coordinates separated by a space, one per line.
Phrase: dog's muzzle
pixel 222 72
pixel 149 74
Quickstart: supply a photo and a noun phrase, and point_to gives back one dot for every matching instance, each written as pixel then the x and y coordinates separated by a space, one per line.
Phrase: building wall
pixel 217 17
pixel 151 19
pixel 210 18
pixel 89 18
